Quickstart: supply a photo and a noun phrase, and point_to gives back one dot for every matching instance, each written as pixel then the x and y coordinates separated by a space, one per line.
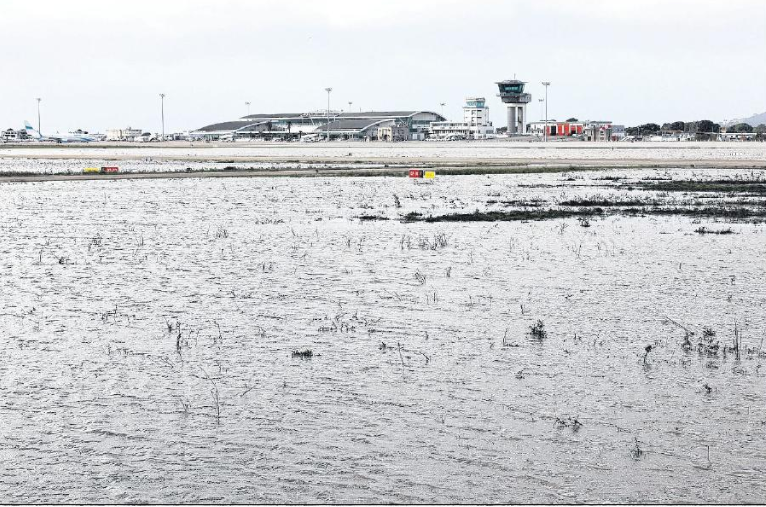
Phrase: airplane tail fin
pixel 31 131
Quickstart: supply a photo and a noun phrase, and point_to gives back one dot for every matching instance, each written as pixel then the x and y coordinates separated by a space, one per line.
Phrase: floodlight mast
pixel 546 84
pixel 38 99
pixel 162 99
pixel 328 90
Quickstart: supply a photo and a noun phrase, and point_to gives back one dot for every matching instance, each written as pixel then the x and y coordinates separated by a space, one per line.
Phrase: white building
pixel 475 124
pixel 11 135
pixel 128 134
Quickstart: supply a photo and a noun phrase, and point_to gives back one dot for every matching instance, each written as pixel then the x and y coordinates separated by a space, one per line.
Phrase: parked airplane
pixel 72 137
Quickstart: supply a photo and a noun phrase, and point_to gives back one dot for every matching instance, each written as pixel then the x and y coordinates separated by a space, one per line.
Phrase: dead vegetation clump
pixel 340 323
pixel 303 354
pixel 438 241
pixel 537 331
pixel 568 422
pixel 635 451
pixel 707 345
pixel 705 230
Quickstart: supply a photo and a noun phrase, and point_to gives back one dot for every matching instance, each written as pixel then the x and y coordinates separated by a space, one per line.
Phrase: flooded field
pixel 572 337
pixel 54 166
pixel 180 156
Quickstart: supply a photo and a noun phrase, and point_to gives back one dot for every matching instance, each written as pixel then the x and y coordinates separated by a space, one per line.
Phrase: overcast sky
pixel 99 64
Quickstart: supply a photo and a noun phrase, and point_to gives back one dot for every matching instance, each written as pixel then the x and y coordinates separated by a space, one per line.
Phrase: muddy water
pixel 425 384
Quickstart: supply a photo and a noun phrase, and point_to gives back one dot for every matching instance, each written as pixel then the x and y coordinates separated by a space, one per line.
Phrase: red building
pixel 557 128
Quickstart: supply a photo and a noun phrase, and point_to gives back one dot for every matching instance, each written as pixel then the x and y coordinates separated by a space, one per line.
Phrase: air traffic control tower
pixel 512 93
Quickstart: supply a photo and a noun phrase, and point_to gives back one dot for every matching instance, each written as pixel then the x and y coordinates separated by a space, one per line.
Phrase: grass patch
pixel 739 213
pixel 521 204
pixel 605 203
pixel 752 187
pixel 704 230
pixel 729 213
pixel 504 216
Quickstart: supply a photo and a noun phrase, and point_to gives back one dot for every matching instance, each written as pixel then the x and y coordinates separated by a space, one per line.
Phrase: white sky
pixel 101 64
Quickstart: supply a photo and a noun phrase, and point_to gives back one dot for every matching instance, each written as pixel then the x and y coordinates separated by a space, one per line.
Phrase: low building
pixel 737 136
pixel 556 128
pixel 591 130
pixel 450 130
pixel 126 134
pixel 12 135
pixel 394 132
pixel 598 131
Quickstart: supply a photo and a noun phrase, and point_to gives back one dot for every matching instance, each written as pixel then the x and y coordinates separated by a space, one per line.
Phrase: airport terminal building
pixel 365 126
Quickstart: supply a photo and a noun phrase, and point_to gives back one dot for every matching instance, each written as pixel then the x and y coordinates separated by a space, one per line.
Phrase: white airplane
pixel 59 138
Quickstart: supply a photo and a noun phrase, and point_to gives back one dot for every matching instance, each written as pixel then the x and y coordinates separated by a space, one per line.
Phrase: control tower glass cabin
pixel 512 93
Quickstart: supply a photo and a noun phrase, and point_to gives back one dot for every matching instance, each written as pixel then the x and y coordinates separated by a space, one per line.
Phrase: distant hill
pixel 754 120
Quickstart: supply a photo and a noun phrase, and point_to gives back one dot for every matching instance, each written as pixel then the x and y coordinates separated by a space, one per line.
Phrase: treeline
pixel 700 128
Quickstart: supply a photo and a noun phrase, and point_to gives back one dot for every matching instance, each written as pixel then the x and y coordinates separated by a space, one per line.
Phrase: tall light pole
pixel 248 108
pixel 328 90
pixel 162 98
pixel 38 99
pixel 546 84
pixel 442 109
pixel 349 106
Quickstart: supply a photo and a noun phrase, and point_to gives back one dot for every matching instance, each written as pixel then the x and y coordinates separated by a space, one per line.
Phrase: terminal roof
pixel 351 124
pixel 227 126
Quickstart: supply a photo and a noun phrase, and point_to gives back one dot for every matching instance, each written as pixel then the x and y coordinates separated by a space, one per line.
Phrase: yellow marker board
pixel 92 170
pixel 429 175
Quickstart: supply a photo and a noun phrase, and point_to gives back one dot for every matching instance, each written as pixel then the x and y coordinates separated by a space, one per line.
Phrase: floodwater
pixel 195 156
pixel 147 331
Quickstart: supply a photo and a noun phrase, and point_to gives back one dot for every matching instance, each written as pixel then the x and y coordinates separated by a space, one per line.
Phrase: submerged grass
pixel 606 203
pixel 750 187
pixel 504 216
pixel 729 213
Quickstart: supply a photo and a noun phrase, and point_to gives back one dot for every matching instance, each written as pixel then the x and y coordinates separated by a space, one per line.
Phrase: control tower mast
pixel 512 93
